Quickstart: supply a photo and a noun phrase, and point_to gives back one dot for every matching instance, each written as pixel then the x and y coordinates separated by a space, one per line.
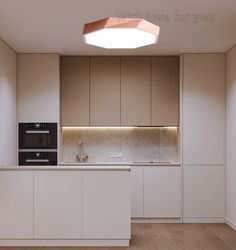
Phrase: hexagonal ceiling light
pixel 121 33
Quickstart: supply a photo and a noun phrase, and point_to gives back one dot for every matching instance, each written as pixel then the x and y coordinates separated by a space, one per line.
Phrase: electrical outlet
pixel 115 154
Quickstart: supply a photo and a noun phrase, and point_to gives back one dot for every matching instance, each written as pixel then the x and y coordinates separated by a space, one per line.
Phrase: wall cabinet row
pixel 114 91
pixel 156 192
pixel 60 204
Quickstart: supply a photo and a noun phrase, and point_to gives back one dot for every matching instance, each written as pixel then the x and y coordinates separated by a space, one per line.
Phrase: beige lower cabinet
pixel 16 204
pixel 204 193
pixel 57 204
pixel 156 192
pixel 137 192
pixel 162 192
pixel 106 205
pixel 54 207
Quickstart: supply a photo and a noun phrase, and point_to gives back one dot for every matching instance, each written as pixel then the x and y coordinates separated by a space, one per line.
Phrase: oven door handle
pixel 37 131
pixel 37 160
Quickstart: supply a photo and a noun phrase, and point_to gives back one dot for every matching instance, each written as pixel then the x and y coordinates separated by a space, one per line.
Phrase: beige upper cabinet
pixel 105 91
pixel 135 90
pixel 38 88
pixel 114 91
pixel 165 91
pixel 74 91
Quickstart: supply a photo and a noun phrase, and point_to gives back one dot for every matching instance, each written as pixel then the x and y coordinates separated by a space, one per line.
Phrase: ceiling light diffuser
pixel 121 33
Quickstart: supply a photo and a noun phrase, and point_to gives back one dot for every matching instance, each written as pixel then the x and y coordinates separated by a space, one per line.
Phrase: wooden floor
pixel 169 237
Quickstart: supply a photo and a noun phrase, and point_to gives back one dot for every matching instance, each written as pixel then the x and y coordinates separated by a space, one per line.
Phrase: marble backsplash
pixel 136 144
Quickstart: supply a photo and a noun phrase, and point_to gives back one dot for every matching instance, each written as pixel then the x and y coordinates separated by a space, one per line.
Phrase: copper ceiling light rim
pixel 121 22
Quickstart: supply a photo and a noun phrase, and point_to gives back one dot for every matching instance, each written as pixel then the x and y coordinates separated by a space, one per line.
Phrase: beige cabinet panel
pixel 165 90
pixel 57 204
pixel 105 91
pixel 137 192
pixel 162 192
pixel 204 192
pixel 204 109
pixel 74 90
pixel 106 205
pixel 38 87
pixel 135 90
pixel 16 206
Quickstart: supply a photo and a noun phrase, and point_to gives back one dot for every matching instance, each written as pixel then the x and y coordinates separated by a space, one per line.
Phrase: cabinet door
pixel 135 90
pixel 38 87
pixel 204 109
pixel 16 206
pixel 204 192
pixel 58 204
pixel 74 90
pixel 165 91
pixel 106 205
pixel 162 192
pixel 105 91
pixel 136 192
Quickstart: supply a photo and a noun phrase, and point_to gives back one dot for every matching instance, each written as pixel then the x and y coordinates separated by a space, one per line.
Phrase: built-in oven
pixel 37 135
pixel 37 143
pixel 37 158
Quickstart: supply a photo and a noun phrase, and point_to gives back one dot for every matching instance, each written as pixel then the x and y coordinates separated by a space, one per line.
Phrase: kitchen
pixel 98 146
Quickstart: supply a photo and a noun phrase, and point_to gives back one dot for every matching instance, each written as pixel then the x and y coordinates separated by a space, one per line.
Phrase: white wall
pixel 7 105
pixel 38 87
pixel 231 137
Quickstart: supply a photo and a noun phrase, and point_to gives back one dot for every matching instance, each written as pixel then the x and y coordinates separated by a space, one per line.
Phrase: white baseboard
pixel 156 220
pixel 230 223
pixel 203 220
pixel 61 243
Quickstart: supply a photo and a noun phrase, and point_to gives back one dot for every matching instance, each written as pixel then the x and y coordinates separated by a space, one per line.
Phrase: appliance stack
pixel 37 144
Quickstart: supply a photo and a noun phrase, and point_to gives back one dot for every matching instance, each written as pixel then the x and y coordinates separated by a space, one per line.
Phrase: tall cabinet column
pixel 204 137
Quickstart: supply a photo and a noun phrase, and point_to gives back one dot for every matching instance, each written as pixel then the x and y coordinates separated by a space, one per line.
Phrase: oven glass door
pixel 44 137
pixel 37 158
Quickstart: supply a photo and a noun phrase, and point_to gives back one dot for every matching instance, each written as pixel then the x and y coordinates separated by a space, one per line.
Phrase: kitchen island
pixel 65 205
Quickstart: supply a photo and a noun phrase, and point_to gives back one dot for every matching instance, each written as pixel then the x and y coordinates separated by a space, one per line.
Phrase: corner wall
pixel 8 155
pixel 231 137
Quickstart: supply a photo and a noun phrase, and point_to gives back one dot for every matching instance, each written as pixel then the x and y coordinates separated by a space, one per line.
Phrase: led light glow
pixel 99 127
pixel 113 127
pixel 121 33
pixel 120 38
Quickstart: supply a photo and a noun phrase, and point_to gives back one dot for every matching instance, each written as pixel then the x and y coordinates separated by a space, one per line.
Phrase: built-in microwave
pixel 37 136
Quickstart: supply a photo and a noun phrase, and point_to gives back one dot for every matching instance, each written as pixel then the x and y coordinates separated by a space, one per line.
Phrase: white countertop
pixel 120 164
pixel 70 167
pixel 116 166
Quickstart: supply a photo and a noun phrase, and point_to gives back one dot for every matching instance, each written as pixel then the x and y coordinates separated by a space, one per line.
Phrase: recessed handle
pixel 37 160
pixel 37 131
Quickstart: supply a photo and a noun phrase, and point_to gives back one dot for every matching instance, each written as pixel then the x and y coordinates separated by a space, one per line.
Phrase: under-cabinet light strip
pixel 113 127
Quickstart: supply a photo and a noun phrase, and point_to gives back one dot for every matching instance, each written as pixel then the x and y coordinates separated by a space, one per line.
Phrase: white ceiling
pixel 55 26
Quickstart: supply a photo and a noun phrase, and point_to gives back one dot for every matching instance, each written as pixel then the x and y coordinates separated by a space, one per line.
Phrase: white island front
pixel 65 206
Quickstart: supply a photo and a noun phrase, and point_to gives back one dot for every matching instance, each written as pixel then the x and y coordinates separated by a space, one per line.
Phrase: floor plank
pixel 168 237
